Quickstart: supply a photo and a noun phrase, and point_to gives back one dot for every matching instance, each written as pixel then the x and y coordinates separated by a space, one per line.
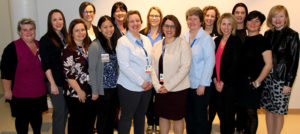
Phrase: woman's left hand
pixel 286 89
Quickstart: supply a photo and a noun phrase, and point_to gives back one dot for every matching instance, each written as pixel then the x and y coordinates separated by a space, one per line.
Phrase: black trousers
pixel 225 102
pixel 212 109
pixel 152 119
pixel 28 111
pixel 80 116
pixel 196 113
pixel 106 109
pixel 133 107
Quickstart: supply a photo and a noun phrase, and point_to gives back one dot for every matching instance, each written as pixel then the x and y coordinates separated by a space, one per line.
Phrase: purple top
pixel 29 77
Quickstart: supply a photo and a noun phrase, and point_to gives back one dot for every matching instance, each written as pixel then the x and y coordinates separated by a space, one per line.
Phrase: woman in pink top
pixel 23 79
pixel 226 72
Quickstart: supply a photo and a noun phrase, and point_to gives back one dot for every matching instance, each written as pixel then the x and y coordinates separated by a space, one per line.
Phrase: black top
pixel 9 63
pixel 285 52
pixel 241 33
pixel 252 61
pixel 230 60
pixel 51 58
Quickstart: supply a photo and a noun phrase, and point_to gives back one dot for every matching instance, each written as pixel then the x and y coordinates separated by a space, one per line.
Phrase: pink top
pixel 29 77
pixel 218 60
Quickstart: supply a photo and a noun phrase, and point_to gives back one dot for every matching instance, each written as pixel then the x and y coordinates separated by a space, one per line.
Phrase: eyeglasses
pixel 154 16
pixel 169 26
pixel 88 12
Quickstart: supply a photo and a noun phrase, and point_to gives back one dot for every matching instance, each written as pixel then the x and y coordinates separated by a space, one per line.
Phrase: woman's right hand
pixel 8 95
pixel 219 85
pixel 54 89
pixel 81 96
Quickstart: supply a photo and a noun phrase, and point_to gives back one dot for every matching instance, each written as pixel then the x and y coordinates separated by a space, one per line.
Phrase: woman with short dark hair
pixel 256 63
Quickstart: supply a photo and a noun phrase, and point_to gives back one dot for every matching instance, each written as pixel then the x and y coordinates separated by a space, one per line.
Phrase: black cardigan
pixel 51 58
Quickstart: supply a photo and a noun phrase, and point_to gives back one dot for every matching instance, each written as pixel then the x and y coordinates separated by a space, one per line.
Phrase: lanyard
pixel 163 48
pixel 119 29
pixel 193 43
pixel 82 53
pixel 63 41
pixel 140 43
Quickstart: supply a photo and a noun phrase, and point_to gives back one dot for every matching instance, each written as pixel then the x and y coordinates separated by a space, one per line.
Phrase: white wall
pixel 5 28
pixel 175 7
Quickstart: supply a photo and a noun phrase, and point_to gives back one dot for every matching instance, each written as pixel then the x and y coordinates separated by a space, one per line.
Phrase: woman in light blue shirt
pixel 134 83
pixel 203 61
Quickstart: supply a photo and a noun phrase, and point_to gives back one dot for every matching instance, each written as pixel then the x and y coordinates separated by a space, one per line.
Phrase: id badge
pixel 148 69
pixel 161 77
pixel 87 78
pixel 105 57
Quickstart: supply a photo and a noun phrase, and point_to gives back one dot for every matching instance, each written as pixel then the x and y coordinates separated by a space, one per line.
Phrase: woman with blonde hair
pixel 225 76
pixel 278 84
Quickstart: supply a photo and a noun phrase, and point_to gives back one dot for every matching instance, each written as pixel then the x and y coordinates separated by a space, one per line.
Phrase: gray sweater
pixel 96 67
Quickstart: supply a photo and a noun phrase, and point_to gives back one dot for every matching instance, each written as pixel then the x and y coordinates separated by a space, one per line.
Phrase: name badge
pixel 148 69
pixel 87 78
pixel 161 77
pixel 105 57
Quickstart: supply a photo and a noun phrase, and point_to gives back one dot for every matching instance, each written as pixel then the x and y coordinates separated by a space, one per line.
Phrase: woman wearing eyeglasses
pixel 152 31
pixel 87 13
pixel 172 58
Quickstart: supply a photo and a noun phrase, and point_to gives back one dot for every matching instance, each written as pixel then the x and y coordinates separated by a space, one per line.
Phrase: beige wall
pixel 5 28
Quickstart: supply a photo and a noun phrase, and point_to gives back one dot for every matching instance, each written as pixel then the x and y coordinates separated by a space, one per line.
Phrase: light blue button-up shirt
pixel 132 61
pixel 203 60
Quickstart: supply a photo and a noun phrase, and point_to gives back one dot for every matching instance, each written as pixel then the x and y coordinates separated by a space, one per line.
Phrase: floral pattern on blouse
pixel 111 72
pixel 75 66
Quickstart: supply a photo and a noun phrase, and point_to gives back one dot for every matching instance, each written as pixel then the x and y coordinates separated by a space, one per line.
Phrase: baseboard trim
pixel 291 111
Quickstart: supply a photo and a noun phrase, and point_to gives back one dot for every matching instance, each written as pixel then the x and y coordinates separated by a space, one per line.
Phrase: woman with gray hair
pixel 23 79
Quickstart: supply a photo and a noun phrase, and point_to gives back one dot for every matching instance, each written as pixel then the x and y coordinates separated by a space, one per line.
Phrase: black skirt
pixel 171 105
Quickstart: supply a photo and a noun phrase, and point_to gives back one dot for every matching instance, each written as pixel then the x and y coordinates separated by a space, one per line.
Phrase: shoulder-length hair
pixel 206 9
pixel 86 40
pixel 273 12
pixel 175 21
pixel 50 31
pixel 232 20
pixel 148 22
pixel 103 41
pixel 117 5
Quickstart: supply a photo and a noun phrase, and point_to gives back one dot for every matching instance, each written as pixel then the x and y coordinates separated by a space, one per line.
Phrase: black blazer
pixel 230 60
pixel 96 31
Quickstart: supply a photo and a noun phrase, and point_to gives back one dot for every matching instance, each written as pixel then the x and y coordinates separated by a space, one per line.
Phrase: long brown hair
pixel 86 40
pixel 50 31
pixel 148 23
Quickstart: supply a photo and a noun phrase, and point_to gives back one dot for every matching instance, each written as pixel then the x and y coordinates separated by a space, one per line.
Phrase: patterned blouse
pixel 75 66
pixel 110 74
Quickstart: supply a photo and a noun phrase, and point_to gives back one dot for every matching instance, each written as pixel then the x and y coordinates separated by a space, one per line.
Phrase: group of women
pixel 221 62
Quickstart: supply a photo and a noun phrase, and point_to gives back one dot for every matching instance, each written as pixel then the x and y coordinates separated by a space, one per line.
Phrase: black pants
pixel 152 119
pixel 225 107
pixel 196 113
pixel 133 107
pixel 106 108
pixel 212 110
pixel 80 118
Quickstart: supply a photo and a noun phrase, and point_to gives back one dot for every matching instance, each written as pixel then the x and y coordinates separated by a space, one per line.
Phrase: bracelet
pixel 257 84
